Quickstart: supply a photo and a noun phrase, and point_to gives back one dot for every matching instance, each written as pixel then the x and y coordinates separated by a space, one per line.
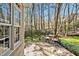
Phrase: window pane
pixel 4 38
pixel 1 32
pixel 17 16
pixel 0 13
pixel 17 34
pixel 5 13
pixel 6 31
pixel 9 12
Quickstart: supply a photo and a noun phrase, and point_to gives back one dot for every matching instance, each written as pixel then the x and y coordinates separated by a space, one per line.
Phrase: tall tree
pixel 68 19
pixel 41 16
pixel 76 15
pixel 58 7
pixel 32 13
pixel 49 17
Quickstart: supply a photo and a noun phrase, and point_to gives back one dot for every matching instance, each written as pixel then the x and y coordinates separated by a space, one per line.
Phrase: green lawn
pixel 28 38
pixel 72 43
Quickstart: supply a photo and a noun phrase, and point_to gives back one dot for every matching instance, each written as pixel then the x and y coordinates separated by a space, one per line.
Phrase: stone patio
pixel 45 49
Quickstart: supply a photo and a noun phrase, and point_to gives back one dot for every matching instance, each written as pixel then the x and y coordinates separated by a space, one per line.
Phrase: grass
pixel 71 43
pixel 71 39
pixel 35 37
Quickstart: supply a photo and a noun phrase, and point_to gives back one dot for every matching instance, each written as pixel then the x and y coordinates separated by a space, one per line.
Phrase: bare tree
pixel 58 7
pixel 76 16
pixel 49 16
pixel 32 13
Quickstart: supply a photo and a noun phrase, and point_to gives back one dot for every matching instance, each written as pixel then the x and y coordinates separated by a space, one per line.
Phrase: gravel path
pixel 45 49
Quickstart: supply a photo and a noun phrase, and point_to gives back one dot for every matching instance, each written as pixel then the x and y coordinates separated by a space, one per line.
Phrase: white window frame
pixel 15 7
pixel 17 26
pixel 5 25
pixel 12 26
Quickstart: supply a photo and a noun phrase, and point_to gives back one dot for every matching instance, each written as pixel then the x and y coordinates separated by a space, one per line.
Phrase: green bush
pixel 70 45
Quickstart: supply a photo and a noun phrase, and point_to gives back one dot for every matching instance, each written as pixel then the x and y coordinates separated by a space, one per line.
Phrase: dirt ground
pixel 45 49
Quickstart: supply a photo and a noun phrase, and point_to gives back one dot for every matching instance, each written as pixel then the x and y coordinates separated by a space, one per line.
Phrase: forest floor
pixel 42 48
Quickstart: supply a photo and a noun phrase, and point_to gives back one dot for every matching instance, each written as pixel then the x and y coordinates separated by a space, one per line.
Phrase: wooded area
pixel 57 20
pixel 49 18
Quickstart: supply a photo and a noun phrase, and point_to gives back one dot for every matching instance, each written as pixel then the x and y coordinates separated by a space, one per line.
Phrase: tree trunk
pixel 58 7
pixel 32 13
